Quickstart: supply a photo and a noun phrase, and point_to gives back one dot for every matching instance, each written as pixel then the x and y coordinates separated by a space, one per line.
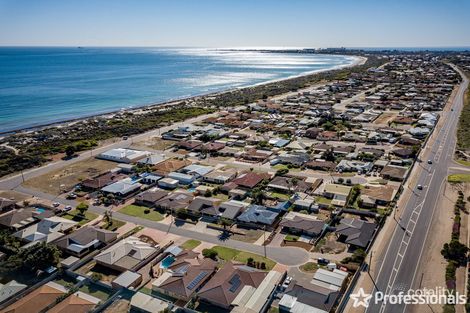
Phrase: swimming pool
pixel 40 209
pixel 167 262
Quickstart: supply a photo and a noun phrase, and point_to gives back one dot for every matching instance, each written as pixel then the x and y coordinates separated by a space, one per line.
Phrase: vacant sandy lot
pixel 62 180
pixel 154 143
pixel 386 117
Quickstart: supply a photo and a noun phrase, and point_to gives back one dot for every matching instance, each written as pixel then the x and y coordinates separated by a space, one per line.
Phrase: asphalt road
pixel 13 181
pixel 291 256
pixel 399 266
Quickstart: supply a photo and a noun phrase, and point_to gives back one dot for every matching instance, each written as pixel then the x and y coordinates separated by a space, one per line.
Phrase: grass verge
pixel 140 211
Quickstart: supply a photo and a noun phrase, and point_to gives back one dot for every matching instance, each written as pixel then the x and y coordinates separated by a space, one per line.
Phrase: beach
pixel 51 89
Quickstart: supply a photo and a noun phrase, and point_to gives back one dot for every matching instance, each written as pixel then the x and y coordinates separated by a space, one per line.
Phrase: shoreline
pixel 357 60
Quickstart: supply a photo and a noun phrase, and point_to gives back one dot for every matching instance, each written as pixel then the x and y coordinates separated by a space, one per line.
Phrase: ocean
pixel 46 85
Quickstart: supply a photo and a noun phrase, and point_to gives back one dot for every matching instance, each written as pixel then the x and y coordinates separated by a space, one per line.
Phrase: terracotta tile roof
pixel 35 301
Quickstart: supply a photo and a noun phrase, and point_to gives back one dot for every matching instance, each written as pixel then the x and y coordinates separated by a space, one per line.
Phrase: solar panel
pixel 234 282
pixel 197 280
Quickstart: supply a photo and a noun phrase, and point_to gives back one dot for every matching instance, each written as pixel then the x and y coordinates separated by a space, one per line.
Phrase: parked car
pixel 55 204
pixel 71 196
pixel 420 187
pixel 323 261
pixel 429 161
pixel 68 208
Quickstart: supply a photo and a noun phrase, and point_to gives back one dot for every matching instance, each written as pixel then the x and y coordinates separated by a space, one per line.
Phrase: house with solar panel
pixel 185 275
pixel 228 282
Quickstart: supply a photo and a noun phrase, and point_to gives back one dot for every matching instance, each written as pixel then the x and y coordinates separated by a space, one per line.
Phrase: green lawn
pixel 74 215
pixel 464 163
pixel 139 211
pixel 229 254
pixel 459 178
pixel 323 200
pixel 291 237
pixel 96 291
pixel 278 195
pixel 190 244
pixel 309 267
pixel 115 225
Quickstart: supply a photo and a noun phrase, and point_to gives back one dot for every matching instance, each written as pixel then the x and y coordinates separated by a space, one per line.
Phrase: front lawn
pixel 309 267
pixel 290 237
pixel 75 216
pixel 115 224
pixel 139 211
pixel 190 244
pixel 229 254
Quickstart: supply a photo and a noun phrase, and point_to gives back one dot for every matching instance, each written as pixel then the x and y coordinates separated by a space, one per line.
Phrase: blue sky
pixel 236 23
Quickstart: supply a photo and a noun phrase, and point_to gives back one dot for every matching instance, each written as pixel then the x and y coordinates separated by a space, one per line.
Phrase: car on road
pixel 429 161
pixel 420 187
pixel 71 196
pixel 55 204
pixel 125 137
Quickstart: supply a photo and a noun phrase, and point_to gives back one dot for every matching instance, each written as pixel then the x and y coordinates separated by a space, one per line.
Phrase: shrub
pixel 210 253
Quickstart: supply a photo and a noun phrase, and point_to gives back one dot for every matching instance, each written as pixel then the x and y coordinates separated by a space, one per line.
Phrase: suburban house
pixel 6 205
pixel 150 197
pixel 168 183
pixel 354 166
pixel 204 206
pixel 333 280
pixel 84 240
pixel 184 278
pixel 394 172
pixel 174 201
pixel 152 159
pixel 123 188
pixel 196 170
pixel 255 299
pixel 183 179
pixel 289 184
pixel 373 196
pixel 227 283
pixel 37 300
pixel 250 180
pixel 338 193
pixel 220 176
pixel 20 218
pixel 141 302
pixel 258 214
pixel 355 232
pixel 308 298
pixel 127 254
pixel 302 224
pixel 47 230
pixel 171 165
pixel 10 289
pixel 122 155
pixel 294 158
pixel 79 302
pixel 98 182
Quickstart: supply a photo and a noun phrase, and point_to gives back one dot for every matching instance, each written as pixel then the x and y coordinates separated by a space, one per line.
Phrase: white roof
pixel 335 278
pixel 131 246
pixel 46 230
pixel 148 303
